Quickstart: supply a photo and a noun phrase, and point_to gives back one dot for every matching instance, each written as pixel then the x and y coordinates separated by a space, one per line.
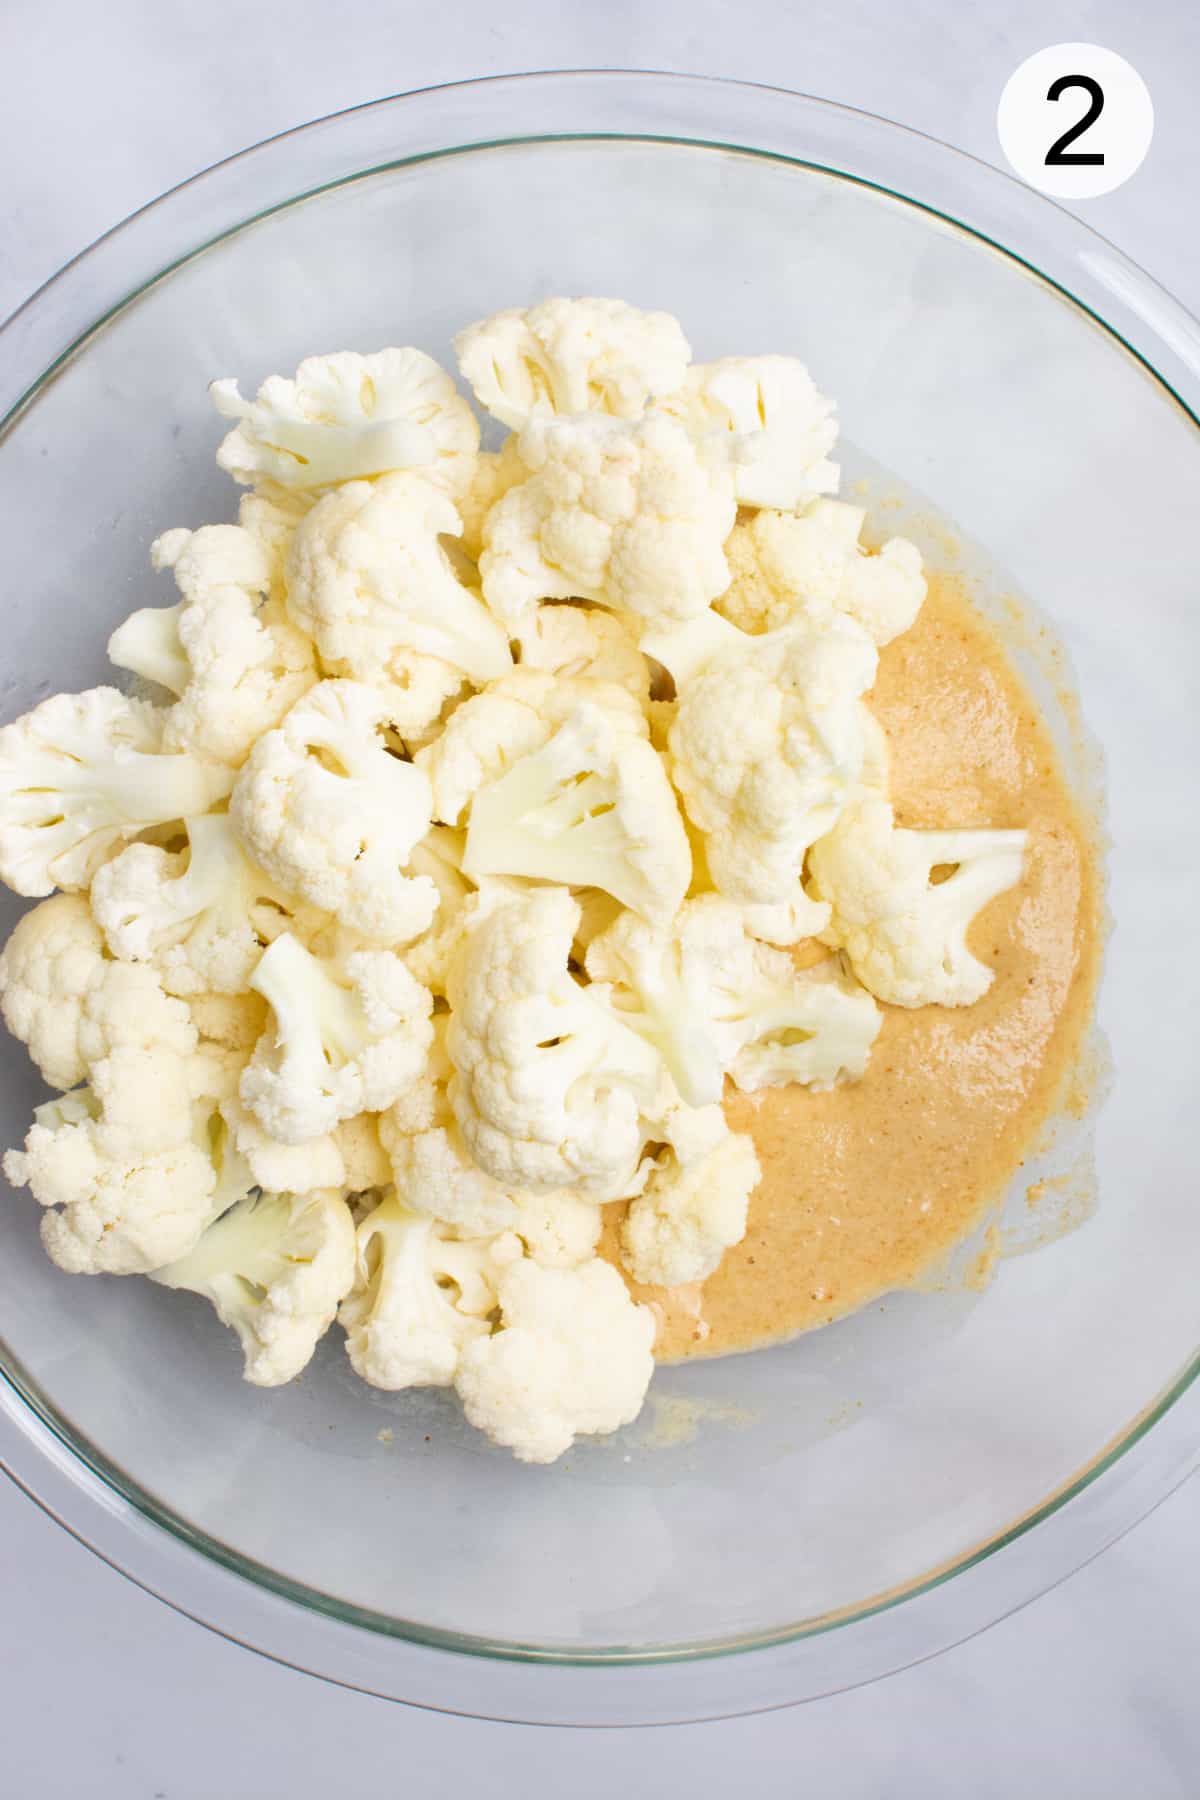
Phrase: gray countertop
pixel 103 1691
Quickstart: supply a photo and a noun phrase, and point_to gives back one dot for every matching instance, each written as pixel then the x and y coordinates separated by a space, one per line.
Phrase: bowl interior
pixel 760 1494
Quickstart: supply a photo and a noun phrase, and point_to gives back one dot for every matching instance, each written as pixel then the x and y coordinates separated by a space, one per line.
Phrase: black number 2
pixel 1058 153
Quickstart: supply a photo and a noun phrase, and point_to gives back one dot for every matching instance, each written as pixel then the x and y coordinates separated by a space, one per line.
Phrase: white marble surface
pixel 103 1691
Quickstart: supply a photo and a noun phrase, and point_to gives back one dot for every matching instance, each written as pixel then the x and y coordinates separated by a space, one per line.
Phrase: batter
pixel 865 1187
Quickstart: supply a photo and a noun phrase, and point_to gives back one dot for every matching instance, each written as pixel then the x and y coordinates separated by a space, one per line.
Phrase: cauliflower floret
pixel 784 565
pixel 495 471
pixel 332 815
pixel 490 732
pixel 592 807
pixel 763 416
pixel 275 1268
pixel 584 641
pixel 229 1021
pixel 550 1089
pixel 693 1206
pixel 369 577
pixel 243 665
pixel 572 356
pixel 148 645
pixel 202 917
pixel 766 748
pixel 714 1001
pixel 345 416
pixel 573 1357
pixel 341 1044
pixel 281 1168
pixel 419 1298
pixel 134 1183
pixel 434 1174
pixel 80 773
pixel 71 1005
pixel 439 856
pixel 271 514
pixel 365 1162
pixel 904 932
pixel 622 513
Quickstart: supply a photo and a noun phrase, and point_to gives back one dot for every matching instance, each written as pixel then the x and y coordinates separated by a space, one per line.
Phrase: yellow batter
pixel 865 1187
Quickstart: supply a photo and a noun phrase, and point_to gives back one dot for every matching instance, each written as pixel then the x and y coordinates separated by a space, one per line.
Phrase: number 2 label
pixel 1075 120
pixel 1058 154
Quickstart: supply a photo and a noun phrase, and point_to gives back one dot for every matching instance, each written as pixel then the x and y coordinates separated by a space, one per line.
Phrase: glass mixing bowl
pixel 806 1506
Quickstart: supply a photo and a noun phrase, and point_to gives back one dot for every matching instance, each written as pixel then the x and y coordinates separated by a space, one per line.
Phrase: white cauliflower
pixel 715 1002
pixel 136 1166
pixel 904 931
pixel 573 1357
pixel 763 416
pixel 244 664
pixel 203 917
pixel 434 1174
pixel 275 1268
pixel 368 577
pixel 494 472
pixel 332 815
pixel 559 1230
pixel 622 513
pixel 271 514
pixel 491 731
pixel 365 1162
pixel 64 998
pixel 693 1206
pixel 585 642
pixel 419 1298
pixel 229 1021
pixel 572 356
pixel 82 772
pixel 550 1089
pixel 593 807
pixel 766 747
pixel 784 565
pixel 345 416
pixel 343 1042
pixel 148 645
pixel 439 856
pixel 281 1168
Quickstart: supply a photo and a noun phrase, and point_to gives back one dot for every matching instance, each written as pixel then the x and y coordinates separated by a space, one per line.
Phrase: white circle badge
pixel 1075 120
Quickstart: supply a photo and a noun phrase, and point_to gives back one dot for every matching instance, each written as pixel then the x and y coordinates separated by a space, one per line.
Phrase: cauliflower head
pixel 71 1004
pixel 419 1298
pixel 592 807
pixel 369 579
pixel 538 1383
pixel 904 932
pixel 694 1204
pixel 81 773
pixel 131 1186
pixel 326 810
pixel 344 416
pixel 550 1089
pixel 244 665
pixel 714 1001
pixel 345 1040
pixel 763 417
pixel 202 917
pixel 766 747
pixel 786 564
pixel 275 1268
pixel 623 513
pixel 585 642
pixel 572 356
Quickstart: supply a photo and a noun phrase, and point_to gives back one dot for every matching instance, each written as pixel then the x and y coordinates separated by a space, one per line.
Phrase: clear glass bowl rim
pixel 71 1479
